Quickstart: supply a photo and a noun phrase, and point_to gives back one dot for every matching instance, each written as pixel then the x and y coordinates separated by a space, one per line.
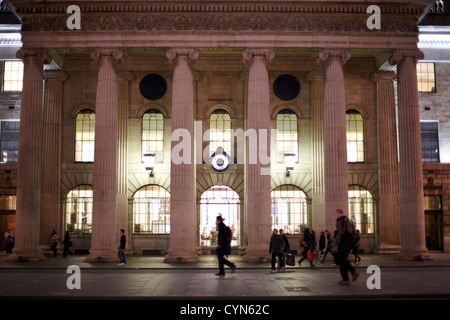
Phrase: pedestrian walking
pixel 308 245
pixel 328 247
pixel 121 249
pixel 54 242
pixel 276 248
pixel 345 240
pixel 9 244
pixel 223 248
pixel 287 247
pixel 356 248
pixel 67 244
pixel 322 242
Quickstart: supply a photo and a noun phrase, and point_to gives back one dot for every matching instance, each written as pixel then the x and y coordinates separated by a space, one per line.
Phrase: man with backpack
pixel 223 246
pixel 345 240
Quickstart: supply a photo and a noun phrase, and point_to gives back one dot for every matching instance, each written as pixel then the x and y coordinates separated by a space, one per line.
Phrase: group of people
pixel 67 243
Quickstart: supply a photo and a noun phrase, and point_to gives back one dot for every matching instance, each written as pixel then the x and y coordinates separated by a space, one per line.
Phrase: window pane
pixel 220 131
pixel 429 131
pixel 151 211
pixel 289 209
pixel 153 134
pixel 426 79
pixel 9 141
pixel 287 135
pixel 361 208
pixel 355 136
pixel 79 208
pixel 13 76
pixel 84 136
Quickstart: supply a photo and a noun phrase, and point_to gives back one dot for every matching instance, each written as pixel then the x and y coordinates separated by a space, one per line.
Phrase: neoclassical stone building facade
pixel 266 81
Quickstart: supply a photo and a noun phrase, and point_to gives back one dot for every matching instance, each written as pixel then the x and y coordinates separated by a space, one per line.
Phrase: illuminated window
pixel 13 76
pixel 220 131
pixel 289 209
pixel 361 208
pixel 287 135
pixel 426 77
pixel 84 136
pixel 429 132
pixel 9 141
pixel 219 200
pixel 153 134
pixel 151 210
pixel 79 208
pixel 355 136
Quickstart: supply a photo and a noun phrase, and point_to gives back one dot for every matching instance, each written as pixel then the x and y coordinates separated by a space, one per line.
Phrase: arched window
pixel 79 208
pixel 220 131
pixel 151 210
pixel 361 208
pixel 355 136
pixel 287 135
pixel 219 200
pixel 289 209
pixel 153 134
pixel 84 136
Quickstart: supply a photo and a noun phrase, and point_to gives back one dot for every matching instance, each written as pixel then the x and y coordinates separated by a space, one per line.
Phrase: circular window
pixel 286 87
pixel 153 86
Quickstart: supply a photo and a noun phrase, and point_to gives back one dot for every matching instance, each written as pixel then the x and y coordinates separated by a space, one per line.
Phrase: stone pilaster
pixel 29 162
pixel 412 219
pixel 122 156
pixel 257 169
pixel 104 232
pixel 51 156
pixel 316 78
pixel 182 169
pixel 335 135
pixel 388 207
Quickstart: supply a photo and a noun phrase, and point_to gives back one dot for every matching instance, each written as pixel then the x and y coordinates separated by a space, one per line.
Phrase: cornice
pixel 219 16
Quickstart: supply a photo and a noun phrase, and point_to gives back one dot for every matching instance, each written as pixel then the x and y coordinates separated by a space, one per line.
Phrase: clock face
pixel 220 162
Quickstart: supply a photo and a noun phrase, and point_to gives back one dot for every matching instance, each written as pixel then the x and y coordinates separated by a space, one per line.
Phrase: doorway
pixel 433 223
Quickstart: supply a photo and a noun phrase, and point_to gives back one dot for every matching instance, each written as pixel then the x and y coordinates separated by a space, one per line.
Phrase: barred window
pixel 79 209
pixel 151 210
pixel 426 77
pixel 153 135
pixel 12 76
pixel 355 136
pixel 84 136
pixel 220 131
pixel 361 208
pixel 287 135
pixel 289 209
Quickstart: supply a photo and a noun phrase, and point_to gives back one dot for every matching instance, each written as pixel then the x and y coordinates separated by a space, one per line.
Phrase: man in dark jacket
pixel 223 247
pixel 345 240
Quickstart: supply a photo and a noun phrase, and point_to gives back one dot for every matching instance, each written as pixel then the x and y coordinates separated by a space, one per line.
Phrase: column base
pixel 181 257
pixel 25 255
pixel 257 256
pixel 414 255
pixel 389 249
pixel 102 256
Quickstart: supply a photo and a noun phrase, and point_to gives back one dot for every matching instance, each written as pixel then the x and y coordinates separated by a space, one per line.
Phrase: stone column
pixel 122 157
pixel 182 169
pixel 104 232
pixel 335 134
pixel 29 162
pixel 316 78
pixel 51 156
pixel 388 208
pixel 257 169
pixel 412 218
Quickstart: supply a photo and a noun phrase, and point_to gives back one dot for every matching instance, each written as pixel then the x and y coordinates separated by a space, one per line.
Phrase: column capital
pixel 39 53
pixel 267 53
pixel 341 54
pixel 315 74
pixel 399 55
pixel 127 76
pixel 190 52
pixel 106 51
pixel 384 75
pixel 55 75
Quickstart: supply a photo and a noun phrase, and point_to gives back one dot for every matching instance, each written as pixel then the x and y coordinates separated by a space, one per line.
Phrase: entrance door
pixel 219 200
pixel 433 223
